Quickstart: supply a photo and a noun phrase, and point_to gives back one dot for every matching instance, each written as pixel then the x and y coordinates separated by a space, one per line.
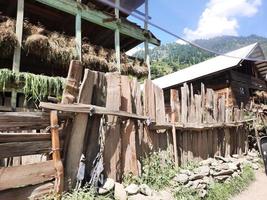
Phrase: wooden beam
pixel 25 120
pixel 17 51
pixel 37 191
pixel 23 175
pixel 24 137
pixel 98 17
pixel 91 109
pixel 13 149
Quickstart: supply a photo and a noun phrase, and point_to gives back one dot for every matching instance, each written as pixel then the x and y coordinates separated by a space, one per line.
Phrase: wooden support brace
pixel 59 182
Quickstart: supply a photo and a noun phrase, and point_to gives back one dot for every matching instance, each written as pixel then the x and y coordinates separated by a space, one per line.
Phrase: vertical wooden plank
pixel 174 117
pixel 129 159
pixel 112 150
pixel 190 146
pixel 91 144
pixel 17 51
pixel 221 113
pixel 198 108
pixel 184 108
pixel 195 145
pixel 227 141
pixel 160 107
pixel 192 105
pixel 203 100
pixel 199 145
pixel 210 143
pixel 209 106
pixel 71 90
pixel 77 134
pixel 149 110
pixel 215 107
pixel 138 109
pixel 185 147
pixel 215 142
pixel 205 144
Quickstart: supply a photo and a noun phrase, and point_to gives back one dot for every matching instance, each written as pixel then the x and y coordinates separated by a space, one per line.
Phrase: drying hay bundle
pixel 30 29
pixel 37 45
pixel 58 49
pixel 139 68
pixel 62 49
pixel 111 59
pixel 8 38
pixel 89 57
pixel 102 59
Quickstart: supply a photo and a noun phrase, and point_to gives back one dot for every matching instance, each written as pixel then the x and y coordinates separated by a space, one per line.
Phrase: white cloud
pixel 220 17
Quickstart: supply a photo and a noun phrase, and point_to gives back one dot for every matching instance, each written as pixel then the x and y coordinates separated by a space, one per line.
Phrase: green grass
pixel 81 194
pixel 236 185
pixel 157 171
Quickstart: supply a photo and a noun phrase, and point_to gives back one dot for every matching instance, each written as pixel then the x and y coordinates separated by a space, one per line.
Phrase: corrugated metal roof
pixel 211 66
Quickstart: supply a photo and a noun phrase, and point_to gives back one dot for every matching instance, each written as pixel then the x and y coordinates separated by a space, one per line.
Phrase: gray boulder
pixel 108 185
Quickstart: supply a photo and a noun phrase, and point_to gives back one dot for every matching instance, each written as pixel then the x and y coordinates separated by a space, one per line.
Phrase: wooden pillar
pixel 117 37
pixel 78 33
pixel 147 58
pixel 17 51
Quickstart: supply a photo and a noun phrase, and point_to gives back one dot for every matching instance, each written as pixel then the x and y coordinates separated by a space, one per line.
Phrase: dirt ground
pixel 257 190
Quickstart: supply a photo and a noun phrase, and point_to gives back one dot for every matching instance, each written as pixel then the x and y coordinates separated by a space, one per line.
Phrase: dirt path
pixel 257 190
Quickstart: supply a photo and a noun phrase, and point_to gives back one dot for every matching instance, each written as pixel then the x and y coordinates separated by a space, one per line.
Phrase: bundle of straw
pixel 8 38
pixel 62 49
pixel 37 45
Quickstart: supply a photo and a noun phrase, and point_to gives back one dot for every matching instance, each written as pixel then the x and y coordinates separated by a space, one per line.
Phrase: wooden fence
pixel 118 123
pixel 36 178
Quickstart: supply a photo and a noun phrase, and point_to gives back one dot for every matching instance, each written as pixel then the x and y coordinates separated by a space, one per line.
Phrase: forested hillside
pixel 171 57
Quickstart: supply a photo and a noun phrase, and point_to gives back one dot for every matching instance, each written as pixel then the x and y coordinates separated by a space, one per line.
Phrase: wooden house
pixel 40 37
pixel 233 76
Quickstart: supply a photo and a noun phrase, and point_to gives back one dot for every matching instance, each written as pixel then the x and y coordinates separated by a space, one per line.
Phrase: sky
pixel 204 19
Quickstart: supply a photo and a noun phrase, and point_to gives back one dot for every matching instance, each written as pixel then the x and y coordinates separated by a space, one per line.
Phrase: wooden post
pixel 174 111
pixel 77 135
pixel 147 58
pixel 17 51
pixel 59 181
pixel 117 37
pixel 78 33
pixel 71 91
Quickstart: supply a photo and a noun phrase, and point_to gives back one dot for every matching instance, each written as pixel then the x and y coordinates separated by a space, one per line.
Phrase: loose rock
pixel 107 186
pixel 181 178
pixel 146 190
pixel 132 189
pixel 119 192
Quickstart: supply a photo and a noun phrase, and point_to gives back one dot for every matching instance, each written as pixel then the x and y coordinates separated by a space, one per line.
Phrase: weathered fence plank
pixel 20 176
pixel 113 146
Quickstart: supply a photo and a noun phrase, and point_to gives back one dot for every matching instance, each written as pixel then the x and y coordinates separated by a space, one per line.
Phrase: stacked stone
pixel 218 169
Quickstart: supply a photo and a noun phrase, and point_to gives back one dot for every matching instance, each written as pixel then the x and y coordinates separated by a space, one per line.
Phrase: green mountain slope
pixel 171 57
